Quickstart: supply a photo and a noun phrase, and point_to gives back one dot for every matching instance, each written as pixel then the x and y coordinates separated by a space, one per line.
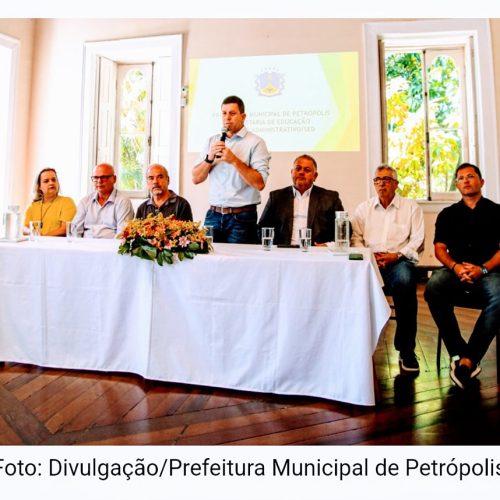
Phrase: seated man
pixel 393 227
pixel 467 243
pixel 162 200
pixel 103 214
pixel 302 205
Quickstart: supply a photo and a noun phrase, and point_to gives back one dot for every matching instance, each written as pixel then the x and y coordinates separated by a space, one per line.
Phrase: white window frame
pixel 458 49
pixel 479 31
pixel 150 49
pixel 6 141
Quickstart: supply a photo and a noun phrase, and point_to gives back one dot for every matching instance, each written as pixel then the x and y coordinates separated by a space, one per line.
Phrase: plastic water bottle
pixel 342 230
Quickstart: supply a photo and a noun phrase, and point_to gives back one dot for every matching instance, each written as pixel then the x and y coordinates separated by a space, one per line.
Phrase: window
pixel 426 105
pixel 131 109
pixel 8 64
pixel 455 103
pixel 133 118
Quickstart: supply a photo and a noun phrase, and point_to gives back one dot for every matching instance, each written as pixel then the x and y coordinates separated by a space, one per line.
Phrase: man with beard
pixel 162 200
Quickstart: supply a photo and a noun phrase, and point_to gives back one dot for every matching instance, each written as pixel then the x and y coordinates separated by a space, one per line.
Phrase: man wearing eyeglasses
pixel 467 243
pixel 302 205
pixel 162 199
pixel 103 213
pixel 393 227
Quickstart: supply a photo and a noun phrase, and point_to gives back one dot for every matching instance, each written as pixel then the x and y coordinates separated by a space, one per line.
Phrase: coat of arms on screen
pixel 270 83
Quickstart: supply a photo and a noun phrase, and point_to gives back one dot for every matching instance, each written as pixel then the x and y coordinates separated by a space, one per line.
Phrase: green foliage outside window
pixel 406 122
pixel 133 134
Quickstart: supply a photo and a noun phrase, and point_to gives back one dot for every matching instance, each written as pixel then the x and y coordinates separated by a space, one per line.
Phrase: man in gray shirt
pixel 103 214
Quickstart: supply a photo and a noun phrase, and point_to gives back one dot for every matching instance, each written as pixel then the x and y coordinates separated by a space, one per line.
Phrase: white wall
pixel 22 30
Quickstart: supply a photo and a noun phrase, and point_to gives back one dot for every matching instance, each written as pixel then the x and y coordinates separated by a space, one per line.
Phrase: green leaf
pixel 167 257
pixel 151 251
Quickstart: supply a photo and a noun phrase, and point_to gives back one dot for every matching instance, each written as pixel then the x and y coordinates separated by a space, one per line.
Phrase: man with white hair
pixel 103 213
pixel 393 227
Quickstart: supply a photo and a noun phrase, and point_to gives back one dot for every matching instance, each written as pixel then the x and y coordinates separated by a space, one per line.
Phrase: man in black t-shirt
pixel 467 243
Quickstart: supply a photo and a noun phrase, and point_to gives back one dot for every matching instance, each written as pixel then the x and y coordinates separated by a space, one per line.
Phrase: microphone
pixel 223 137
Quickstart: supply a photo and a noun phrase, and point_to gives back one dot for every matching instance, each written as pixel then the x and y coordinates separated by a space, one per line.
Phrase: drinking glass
pixel 70 231
pixel 305 238
pixel 342 232
pixel 209 235
pixel 35 229
pixel 267 238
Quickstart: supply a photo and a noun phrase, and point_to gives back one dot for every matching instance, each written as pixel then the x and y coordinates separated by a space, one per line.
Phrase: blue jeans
pixel 233 228
pixel 400 281
pixel 443 291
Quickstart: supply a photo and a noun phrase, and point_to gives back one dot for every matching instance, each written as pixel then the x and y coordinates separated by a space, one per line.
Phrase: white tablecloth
pixel 284 321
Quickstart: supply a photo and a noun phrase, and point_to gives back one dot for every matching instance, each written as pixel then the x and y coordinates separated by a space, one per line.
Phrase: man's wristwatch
pixel 209 161
pixel 484 270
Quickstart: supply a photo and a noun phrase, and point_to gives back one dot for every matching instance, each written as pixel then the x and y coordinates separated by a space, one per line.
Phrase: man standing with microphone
pixel 237 162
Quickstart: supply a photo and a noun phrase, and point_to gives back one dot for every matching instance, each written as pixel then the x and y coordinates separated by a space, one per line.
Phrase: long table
pixel 284 321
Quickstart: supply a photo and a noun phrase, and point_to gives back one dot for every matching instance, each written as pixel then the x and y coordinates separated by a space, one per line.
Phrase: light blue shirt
pixel 227 187
pixel 95 221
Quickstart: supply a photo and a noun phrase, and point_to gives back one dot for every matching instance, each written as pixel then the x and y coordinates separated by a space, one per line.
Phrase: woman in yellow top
pixel 48 207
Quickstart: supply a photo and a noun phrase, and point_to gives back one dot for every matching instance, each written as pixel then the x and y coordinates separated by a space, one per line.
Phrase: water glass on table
pixel 342 232
pixel 209 235
pixel 70 232
pixel 267 238
pixel 305 239
pixel 35 230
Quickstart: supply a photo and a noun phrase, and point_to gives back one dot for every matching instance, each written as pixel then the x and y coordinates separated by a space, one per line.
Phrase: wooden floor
pixel 51 406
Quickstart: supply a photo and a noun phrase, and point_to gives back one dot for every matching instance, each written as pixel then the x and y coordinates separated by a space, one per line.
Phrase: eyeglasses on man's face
pixel 96 178
pixel 379 180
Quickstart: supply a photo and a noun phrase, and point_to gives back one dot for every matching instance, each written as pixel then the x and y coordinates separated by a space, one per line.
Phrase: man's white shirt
pixel 300 210
pixel 397 228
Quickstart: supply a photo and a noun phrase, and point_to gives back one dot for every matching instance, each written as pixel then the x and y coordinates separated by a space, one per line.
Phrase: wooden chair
pixel 469 301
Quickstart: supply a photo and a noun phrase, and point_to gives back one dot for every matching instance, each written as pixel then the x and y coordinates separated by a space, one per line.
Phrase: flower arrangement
pixel 162 238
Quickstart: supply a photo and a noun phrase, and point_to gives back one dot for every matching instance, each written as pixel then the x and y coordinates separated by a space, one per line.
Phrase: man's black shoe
pixel 460 374
pixel 408 362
